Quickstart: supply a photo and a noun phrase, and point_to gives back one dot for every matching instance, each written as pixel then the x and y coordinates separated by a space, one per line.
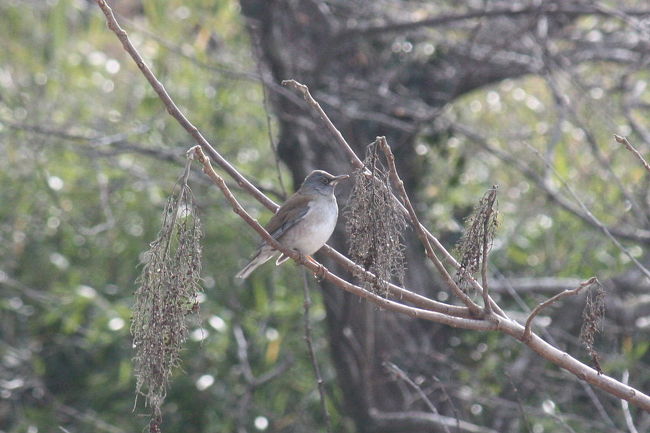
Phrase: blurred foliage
pixel 531 237
pixel 89 157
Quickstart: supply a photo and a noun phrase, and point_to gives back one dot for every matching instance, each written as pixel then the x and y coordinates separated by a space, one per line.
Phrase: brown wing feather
pixel 292 211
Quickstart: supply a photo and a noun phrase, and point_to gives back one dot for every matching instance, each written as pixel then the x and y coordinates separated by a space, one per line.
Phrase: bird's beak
pixel 338 179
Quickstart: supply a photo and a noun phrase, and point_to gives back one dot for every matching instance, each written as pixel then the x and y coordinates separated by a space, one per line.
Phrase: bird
pixel 303 223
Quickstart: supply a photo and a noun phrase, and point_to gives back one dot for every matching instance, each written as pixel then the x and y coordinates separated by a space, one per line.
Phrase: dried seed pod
pixel 375 225
pixel 476 242
pixel 167 291
pixel 592 321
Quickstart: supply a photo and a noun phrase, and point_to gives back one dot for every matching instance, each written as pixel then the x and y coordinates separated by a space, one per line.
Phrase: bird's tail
pixel 262 256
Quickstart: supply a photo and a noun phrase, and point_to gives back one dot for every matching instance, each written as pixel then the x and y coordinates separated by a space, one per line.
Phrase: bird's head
pixel 321 182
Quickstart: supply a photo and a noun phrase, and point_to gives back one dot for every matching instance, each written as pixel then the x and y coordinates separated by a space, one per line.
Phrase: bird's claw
pixel 320 273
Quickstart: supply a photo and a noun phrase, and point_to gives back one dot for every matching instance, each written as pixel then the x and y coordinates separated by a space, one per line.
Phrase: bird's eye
pixel 325 181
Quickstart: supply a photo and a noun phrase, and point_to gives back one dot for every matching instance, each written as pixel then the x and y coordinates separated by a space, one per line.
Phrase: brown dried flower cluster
pixel 477 240
pixel 167 293
pixel 592 321
pixel 375 225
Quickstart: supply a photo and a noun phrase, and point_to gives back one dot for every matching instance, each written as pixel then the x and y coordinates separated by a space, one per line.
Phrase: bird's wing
pixel 291 212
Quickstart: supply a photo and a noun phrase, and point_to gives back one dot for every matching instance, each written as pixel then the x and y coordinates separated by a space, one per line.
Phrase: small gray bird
pixel 304 222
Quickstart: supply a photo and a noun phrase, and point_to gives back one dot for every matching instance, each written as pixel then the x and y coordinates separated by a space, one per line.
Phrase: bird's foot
pixel 320 273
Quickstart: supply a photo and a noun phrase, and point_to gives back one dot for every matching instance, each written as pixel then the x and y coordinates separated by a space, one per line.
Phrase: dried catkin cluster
pixel 167 293
pixel 592 321
pixel 375 225
pixel 480 227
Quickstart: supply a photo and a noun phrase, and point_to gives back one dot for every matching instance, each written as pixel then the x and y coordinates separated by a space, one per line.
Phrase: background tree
pixel 82 178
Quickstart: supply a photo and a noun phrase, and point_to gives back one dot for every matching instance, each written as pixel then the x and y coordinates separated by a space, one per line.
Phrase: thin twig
pixel 411 420
pixel 354 159
pixel 244 402
pixel 566 107
pixel 471 305
pixel 628 145
pixel 454 409
pixel 312 353
pixel 396 291
pixel 591 216
pixel 629 421
pixel 88 417
pixel 242 353
pixel 402 375
pixel 634 234
pixel 550 301
pixel 252 382
pixel 267 112
pixel 509 11
pixel 520 405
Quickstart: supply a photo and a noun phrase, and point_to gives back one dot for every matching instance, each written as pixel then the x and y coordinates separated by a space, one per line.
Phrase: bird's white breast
pixel 316 227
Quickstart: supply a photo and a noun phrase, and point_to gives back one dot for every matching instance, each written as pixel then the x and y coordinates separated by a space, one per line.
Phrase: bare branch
pixel 397 291
pixel 267 110
pixel 554 299
pixel 629 421
pixel 524 285
pixel 628 145
pixel 591 216
pixel 354 159
pixel 520 405
pixel 402 375
pixel 252 381
pixel 242 353
pixel 420 421
pixel 312 353
pixel 508 12
pixel 635 234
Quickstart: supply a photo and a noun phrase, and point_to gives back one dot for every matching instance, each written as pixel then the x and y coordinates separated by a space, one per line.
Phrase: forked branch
pixel 551 301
